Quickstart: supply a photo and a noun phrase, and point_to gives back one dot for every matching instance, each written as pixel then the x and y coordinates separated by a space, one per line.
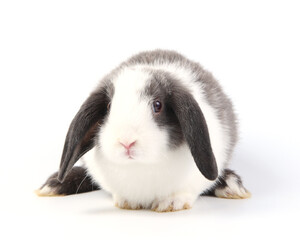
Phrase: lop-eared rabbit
pixel 156 133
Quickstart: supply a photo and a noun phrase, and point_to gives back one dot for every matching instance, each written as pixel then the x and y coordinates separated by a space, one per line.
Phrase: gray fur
pixel 84 127
pixel 182 117
pixel 159 87
pixel 77 181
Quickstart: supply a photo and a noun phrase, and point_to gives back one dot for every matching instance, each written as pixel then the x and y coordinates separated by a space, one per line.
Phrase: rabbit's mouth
pixel 129 154
pixel 128 149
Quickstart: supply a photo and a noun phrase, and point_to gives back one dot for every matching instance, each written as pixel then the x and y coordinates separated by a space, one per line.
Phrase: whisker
pixel 81 184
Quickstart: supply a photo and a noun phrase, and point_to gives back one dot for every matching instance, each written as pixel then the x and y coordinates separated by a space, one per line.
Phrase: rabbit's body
pixel 164 114
pixel 173 172
pixel 141 185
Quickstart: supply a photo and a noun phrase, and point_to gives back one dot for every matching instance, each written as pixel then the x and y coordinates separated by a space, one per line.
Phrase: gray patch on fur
pixel 85 127
pixel 159 88
pixel 182 117
pixel 77 181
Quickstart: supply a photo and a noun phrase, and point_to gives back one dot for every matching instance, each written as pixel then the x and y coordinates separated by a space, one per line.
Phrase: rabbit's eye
pixel 108 106
pixel 157 106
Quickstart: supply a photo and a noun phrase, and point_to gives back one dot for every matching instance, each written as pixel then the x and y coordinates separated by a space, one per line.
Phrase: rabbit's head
pixel 138 115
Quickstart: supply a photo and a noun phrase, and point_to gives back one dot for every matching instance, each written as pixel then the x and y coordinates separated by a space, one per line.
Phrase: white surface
pixel 52 55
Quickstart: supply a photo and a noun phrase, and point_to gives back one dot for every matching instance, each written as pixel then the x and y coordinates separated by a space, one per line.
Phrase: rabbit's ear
pixel 195 131
pixel 82 131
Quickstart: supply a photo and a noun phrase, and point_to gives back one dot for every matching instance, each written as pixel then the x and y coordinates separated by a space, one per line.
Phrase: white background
pixel 53 53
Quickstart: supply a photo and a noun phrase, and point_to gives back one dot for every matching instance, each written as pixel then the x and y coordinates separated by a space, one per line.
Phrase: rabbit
pixel 157 132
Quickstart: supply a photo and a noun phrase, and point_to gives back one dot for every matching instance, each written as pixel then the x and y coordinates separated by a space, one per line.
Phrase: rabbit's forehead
pixel 128 100
pixel 130 84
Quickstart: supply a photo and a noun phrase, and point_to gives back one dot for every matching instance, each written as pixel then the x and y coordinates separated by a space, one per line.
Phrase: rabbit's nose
pixel 127 145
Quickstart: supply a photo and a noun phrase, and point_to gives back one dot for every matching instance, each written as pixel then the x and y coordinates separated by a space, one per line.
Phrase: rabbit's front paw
pixel 173 203
pixel 124 204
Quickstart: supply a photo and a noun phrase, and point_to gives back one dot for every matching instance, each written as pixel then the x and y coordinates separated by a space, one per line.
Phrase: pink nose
pixel 127 145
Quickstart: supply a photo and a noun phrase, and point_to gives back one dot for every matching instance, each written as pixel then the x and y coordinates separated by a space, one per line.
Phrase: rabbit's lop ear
pixel 82 131
pixel 195 131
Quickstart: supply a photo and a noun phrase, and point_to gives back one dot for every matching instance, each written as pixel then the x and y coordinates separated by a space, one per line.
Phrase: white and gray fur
pixel 179 153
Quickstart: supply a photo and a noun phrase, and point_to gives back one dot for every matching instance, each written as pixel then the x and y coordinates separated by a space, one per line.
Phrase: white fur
pixel 46 191
pixel 156 176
